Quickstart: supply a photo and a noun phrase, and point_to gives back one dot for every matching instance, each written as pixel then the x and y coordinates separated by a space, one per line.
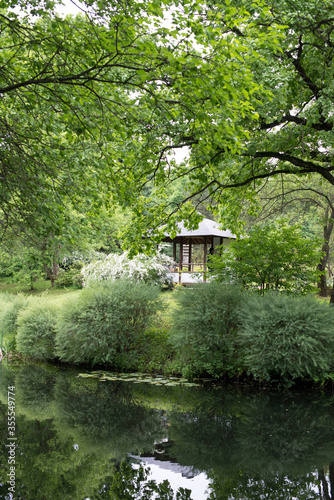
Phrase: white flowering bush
pixel 141 268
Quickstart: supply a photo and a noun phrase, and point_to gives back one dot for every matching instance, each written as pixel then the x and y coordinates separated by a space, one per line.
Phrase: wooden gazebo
pixel 191 249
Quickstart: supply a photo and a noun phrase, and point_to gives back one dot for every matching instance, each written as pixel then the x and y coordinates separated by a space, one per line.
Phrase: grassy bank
pixel 211 331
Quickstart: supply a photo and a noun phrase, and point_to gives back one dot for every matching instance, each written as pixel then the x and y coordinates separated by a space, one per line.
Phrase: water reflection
pixel 73 435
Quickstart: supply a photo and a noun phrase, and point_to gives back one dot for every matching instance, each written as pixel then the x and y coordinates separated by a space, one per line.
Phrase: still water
pixel 82 438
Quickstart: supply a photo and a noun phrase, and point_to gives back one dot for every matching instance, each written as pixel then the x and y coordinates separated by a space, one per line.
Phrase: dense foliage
pixel 273 256
pixel 94 106
pixel 283 338
pixel 305 201
pixel 288 136
pixel 156 352
pixel 7 338
pixel 11 309
pixel 70 277
pixel 36 331
pixel 205 325
pixel 104 324
pixel 19 264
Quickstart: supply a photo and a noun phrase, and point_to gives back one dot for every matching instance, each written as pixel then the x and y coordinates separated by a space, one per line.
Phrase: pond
pixel 71 437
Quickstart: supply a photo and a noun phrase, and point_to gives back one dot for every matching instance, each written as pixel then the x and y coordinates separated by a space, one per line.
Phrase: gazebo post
pixel 221 245
pixel 205 257
pixel 174 250
pixel 181 258
pixel 189 260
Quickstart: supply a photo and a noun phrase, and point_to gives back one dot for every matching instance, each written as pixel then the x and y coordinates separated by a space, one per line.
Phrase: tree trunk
pixel 331 478
pixel 52 268
pixel 49 273
pixel 55 266
pixel 52 272
pixel 328 228
pixel 324 484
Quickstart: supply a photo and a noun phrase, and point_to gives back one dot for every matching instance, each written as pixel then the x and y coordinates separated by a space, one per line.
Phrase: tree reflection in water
pixel 76 436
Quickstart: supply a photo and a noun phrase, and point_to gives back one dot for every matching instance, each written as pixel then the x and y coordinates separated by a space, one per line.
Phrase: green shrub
pixel 9 317
pixel 5 298
pixel 7 342
pixel 205 327
pixel 5 301
pixel 37 330
pixel 10 308
pixel 284 337
pixel 155 348
pixel 105 323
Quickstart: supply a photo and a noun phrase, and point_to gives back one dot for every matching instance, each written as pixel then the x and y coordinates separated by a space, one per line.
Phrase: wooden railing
pixel 191 267
pixel 197 268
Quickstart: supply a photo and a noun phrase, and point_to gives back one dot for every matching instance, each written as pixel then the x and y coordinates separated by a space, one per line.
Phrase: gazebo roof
pixel 206 227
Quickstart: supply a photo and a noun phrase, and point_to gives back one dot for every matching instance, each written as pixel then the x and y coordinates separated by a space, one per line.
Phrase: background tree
pixel 304 201
pixel 274 256
pixel 32 253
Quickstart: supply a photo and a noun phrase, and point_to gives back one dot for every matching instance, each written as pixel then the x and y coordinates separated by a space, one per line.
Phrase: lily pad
pixel 139 378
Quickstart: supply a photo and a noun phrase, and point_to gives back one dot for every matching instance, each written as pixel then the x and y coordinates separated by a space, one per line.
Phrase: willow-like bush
pixel 10 309
pixel 105 323
pixel 10 313
pixel 7 341
pixel 205 327
pixel 36 331
pixel 5 302
pixel 284 337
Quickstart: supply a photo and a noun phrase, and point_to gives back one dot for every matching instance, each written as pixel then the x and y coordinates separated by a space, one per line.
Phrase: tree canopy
pixel 93 107
pixel 288 133
pixel 294 135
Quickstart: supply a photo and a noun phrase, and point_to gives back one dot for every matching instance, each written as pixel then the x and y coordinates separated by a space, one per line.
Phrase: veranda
pixel 191 249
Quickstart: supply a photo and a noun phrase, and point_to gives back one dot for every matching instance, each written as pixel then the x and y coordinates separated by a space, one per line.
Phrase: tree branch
pixel 325 126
